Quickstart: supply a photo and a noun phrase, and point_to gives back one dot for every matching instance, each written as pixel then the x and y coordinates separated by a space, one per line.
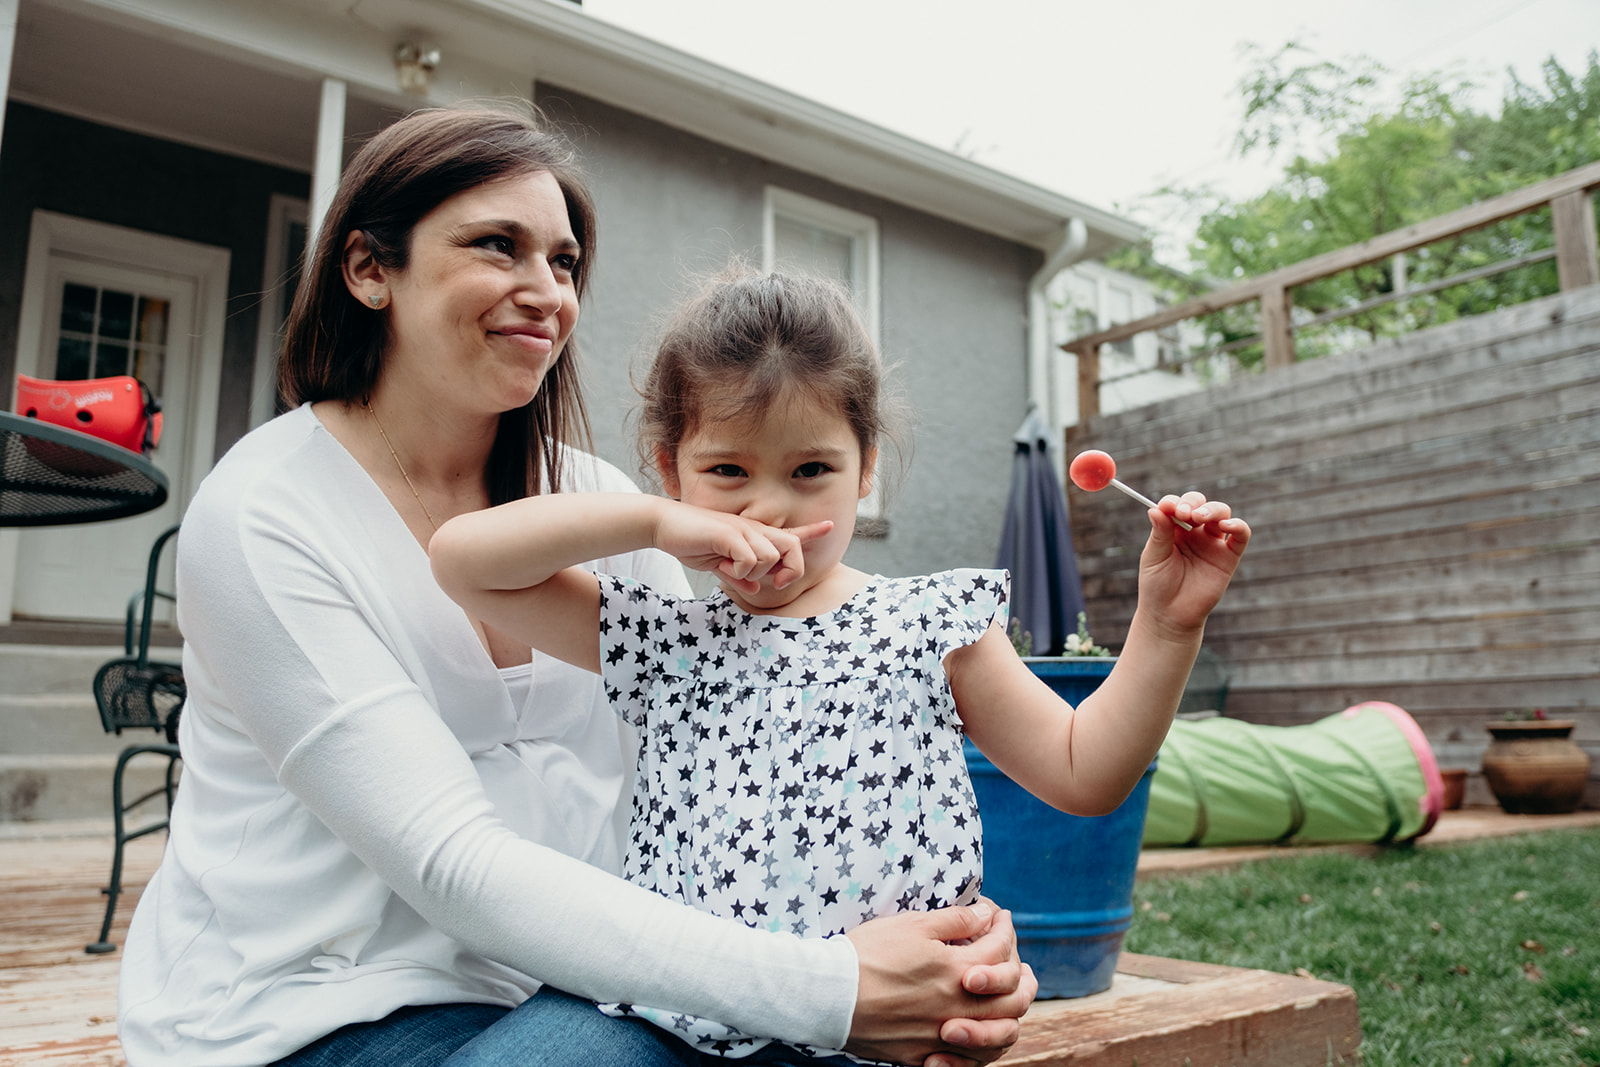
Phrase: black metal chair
pixel 136 692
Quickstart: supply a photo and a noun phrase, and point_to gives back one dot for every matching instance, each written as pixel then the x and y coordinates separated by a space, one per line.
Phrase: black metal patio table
pixel 53 476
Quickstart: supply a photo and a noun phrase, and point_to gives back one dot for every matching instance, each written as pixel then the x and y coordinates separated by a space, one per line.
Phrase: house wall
pixel 1091 296
pixel 64 164
pixel 670 204
pixel 953 317
pixel 1425 519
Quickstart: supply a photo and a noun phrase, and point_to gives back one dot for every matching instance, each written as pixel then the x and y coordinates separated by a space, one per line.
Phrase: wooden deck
pixel 58 1005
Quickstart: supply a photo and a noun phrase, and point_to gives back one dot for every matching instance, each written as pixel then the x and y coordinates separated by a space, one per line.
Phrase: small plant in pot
pixel 1533 766
pixel 1078 644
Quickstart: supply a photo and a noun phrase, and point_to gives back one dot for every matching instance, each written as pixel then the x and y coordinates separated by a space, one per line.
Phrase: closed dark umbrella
pixel 1036 544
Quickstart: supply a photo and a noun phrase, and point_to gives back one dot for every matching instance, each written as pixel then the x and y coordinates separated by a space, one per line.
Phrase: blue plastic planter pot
pixel 1067 879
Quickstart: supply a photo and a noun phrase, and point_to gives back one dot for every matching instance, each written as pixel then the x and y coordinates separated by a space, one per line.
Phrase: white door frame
pixel 207 265
pixel 282 210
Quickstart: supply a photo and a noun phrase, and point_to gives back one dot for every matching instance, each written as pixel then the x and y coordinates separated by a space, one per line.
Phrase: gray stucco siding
pixel 953 307
pixel 671 206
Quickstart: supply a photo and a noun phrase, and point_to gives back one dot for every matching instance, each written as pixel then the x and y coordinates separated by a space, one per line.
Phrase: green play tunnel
pixel 1364 774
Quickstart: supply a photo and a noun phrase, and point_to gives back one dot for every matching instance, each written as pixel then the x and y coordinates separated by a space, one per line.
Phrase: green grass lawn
pixel 1484 954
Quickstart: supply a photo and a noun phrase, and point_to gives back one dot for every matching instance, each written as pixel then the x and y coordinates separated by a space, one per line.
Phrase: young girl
pixel 801 766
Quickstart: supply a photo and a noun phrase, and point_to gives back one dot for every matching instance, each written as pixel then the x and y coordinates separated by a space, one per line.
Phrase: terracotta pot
pixel 1455 787
pixel 1534 767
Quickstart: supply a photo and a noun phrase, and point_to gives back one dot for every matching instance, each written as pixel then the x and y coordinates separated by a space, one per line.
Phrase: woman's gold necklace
pixel 409 484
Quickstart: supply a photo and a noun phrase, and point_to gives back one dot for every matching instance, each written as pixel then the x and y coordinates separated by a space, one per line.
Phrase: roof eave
pixel 621 68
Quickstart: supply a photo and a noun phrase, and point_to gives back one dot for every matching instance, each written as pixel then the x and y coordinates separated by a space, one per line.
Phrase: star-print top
pixel 801 775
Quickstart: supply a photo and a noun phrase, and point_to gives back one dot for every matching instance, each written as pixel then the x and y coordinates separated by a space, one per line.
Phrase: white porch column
pixel 8 537
pixel 8 42
pixel 330 155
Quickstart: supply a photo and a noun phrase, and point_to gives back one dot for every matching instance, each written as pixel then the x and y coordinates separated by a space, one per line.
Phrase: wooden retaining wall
pixel 1426 519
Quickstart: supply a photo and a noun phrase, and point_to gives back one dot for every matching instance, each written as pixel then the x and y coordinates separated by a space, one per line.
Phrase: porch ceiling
pixel 243 76
pixel 123 77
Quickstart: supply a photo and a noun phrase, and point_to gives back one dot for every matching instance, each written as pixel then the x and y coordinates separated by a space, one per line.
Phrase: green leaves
pixel 1371 153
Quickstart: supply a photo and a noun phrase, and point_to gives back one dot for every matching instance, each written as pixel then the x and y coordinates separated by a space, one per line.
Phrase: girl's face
pixel 796 463
pixel 488 299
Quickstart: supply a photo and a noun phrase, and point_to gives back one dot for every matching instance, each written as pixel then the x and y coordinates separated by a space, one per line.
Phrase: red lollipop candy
pixel 1093 470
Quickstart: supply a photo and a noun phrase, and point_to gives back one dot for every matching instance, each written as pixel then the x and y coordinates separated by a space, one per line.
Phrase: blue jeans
pixel 555 1029
pixel 551 1029
pixel 417 1036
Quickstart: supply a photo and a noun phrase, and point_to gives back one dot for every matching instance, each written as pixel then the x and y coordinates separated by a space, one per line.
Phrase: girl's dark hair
pixel 333 346
pixel 745 339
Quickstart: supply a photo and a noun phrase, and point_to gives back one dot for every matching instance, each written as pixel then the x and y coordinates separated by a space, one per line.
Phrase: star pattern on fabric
pixel 799 775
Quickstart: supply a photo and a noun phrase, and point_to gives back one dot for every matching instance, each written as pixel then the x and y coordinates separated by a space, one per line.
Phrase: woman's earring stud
pixel 375 300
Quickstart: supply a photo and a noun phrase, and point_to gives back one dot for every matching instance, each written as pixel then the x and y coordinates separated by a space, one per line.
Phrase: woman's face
pixel 488 299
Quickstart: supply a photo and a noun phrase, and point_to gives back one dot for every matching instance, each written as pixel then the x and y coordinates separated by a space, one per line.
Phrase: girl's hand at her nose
pixel 792 567
pixel 741 551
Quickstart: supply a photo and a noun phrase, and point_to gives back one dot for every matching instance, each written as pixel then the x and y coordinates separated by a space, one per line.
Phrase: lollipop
pixel 1093 470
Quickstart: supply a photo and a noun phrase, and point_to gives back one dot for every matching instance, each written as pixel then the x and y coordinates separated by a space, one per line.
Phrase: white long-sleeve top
pixel 368 819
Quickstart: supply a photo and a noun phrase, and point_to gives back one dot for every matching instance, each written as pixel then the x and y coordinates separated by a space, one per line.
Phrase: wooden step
pixel 1172 1013
pixel 58 1005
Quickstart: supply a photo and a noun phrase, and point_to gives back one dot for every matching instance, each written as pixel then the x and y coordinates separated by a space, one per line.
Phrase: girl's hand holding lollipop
pixel 1183 576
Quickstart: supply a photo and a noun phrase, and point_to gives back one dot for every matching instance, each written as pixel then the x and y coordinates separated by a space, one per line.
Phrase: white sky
pixel 1102 100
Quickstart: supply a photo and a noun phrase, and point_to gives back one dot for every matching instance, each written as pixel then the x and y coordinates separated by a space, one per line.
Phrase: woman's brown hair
pixel 333 346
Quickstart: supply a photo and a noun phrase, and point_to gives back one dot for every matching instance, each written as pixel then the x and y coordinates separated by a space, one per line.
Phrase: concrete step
pixel 54 724
pixel 34 669
pixel 39 788
pixel 56 760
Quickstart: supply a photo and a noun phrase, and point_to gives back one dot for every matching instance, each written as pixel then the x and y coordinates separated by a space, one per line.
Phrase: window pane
pixel 149 365
pixel 805 247
pixel 1119 309
pixel 152 321
pixel 72 359
pixel 116 314
pixel 1119 305
pixel 77 309
pixel 110 359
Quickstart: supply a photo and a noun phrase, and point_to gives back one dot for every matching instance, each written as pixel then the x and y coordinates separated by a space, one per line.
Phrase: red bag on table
pixel 121 410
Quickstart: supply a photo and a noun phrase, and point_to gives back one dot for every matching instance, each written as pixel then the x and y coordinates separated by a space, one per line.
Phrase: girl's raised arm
pixel 1087 759
pixel 515 566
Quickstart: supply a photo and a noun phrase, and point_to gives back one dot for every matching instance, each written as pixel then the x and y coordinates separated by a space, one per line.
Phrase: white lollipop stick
pixel 1141 498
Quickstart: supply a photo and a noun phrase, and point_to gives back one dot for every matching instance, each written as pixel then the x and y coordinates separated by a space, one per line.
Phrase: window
pixel 1119 309
pixel 816 237
pixel 106 331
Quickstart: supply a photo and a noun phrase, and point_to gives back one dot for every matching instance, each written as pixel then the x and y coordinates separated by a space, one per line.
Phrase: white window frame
pixel 862 231
pixel 864 281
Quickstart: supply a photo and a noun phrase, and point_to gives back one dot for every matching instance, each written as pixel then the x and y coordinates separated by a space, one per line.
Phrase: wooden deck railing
pixel 1576 255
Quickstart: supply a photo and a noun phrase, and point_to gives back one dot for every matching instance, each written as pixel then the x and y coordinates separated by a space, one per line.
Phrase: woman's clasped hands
pixel 959 963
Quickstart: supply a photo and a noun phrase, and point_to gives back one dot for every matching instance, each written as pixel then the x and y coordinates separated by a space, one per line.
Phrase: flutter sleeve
pixel 965 603
pixel 633 619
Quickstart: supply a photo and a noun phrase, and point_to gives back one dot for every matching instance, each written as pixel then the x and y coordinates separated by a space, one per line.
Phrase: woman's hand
pixel 940 988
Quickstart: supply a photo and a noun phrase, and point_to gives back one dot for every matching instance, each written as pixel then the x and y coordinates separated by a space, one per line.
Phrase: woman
pixel 394 823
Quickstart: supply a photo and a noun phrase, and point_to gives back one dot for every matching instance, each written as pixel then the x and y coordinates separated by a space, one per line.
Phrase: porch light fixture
pixel 414 65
